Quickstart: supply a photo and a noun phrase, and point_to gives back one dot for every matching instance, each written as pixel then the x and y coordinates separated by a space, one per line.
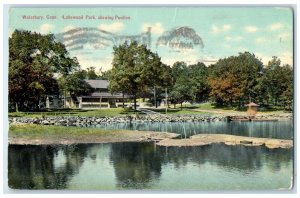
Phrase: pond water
pixel 266 129
pixel 146 166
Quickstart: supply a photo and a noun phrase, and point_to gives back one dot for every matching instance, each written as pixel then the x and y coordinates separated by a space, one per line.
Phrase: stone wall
pixel 89 121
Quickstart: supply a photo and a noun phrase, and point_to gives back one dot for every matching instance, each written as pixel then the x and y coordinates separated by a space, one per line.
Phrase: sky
pixel 222 31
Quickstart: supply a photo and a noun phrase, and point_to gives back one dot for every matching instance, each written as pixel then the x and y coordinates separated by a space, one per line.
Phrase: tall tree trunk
pixel 123 99
pixel 181 105
pixel 38 102
pixel 155 97
pixel 65 102
pixel 134 103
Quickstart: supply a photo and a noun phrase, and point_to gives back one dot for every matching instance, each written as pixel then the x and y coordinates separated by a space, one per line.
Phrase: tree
pixel 105 75
pixel 286 98
pixel 223 90
pixel 275 86
pixel 233 80
pixel 278 80
pixel 75 85
pixel 34 59
pixel 91 74
pixel 136 70
pixel 199 76
pixel 183 87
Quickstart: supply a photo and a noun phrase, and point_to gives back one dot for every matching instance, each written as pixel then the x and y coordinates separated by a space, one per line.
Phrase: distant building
pixel 100 98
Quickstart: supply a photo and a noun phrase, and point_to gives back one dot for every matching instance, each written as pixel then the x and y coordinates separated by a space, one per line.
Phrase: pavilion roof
pixel 252 104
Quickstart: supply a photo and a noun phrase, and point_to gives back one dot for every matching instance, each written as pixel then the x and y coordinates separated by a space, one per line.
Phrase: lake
pixel 145 166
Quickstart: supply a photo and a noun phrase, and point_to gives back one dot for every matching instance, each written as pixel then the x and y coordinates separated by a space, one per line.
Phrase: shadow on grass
pixel 262 108
pixel 130 111
pixel 164 110
pixel 191 107
pixel 67 110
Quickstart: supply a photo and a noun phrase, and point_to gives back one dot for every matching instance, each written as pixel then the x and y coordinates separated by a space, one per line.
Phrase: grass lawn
pixel 212 108
pixel 196 109
pixel 74 112
pixel 178 111
pixel 42 134
pixel 33 130
pixel 188 109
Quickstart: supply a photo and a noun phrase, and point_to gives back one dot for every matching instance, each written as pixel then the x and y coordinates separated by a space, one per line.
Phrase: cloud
pixel 114 27
pixel 86 62
pixel 69 27
pixel 233 38
pixel 286 58
pixel 10 32
pixel 275 26
pixel 226 27
pixel 208 59
pixel 260 40
pixel 171 61
pixel 242 49
pixel 251 29
pixel 46 28
pixel 220 29
pixel 189 56
pixel 234 48
pixel 156 28
pixel 264 59
pixel 285 36
pixel 227 46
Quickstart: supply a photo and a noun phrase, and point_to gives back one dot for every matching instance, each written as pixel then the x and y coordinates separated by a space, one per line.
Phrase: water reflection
pixel 135 164
pixel 146 166
pixel 269 129
pixel 33 167
pixel 239 157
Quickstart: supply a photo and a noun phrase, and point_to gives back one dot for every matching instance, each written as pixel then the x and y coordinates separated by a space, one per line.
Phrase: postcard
pixel 164 98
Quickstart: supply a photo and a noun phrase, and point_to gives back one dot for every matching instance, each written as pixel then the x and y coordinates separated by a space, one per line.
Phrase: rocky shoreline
pixel 207 139
pixel 91 121
pixel 84 121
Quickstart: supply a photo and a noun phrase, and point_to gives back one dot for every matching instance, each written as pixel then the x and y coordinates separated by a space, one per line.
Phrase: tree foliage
pixel 189 83
pixel 232 80
pixel 75 85
pixel 199 75
pixel 91 74
pixel 34 59
pixel 276 84
pixel 182 88
pixel 136 71
pixel 237 80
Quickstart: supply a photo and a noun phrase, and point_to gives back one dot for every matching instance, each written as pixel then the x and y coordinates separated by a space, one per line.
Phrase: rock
pixel 45 122
pixel 81 121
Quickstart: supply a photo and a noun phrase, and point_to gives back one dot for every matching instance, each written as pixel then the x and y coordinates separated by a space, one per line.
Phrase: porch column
pixel 47 103
pixel 80 102
pixel 100 102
